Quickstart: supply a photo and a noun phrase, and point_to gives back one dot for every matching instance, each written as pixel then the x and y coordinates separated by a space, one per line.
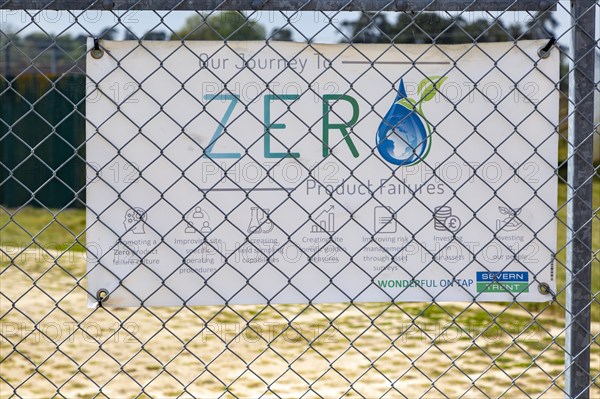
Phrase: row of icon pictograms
pixel 383 220
pixel 444 219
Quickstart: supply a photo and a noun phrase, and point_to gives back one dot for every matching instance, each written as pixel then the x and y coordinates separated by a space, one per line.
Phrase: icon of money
pixel 440 214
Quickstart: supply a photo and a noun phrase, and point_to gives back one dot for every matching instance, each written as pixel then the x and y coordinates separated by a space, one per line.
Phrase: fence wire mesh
pixel 52 345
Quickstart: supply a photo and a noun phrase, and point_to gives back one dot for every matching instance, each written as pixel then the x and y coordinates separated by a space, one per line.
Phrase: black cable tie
pixel 96 51
pixel 544 52
pixel 549 45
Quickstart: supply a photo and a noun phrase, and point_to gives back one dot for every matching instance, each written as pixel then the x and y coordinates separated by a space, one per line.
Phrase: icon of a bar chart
pixel 325 221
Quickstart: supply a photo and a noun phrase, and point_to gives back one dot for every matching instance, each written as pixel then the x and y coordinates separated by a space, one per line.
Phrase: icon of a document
pixel 384 220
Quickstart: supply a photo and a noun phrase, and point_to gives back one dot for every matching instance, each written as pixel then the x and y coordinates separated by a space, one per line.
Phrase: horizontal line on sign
pixel 246 190
pixel 398 62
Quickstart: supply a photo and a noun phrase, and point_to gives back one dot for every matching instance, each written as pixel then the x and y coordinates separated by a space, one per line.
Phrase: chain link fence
pixel 53 345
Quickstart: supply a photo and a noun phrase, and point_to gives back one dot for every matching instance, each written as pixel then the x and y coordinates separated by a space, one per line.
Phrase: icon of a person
pixel 205 228
pixel 190 227
pixel 190 222
pixel 198 213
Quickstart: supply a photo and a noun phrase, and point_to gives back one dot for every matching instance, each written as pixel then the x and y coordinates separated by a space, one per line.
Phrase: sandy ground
pixel 52 343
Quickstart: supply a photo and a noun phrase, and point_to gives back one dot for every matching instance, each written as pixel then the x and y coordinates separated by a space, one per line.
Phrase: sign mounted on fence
pixel 287 173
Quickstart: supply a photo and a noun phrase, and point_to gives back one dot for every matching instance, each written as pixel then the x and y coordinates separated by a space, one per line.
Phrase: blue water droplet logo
pixel 402 137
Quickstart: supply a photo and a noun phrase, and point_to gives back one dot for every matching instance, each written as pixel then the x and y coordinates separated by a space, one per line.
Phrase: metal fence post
pixel 580 210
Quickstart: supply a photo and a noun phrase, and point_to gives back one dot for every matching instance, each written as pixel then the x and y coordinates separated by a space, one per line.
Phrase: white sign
pixel 290 173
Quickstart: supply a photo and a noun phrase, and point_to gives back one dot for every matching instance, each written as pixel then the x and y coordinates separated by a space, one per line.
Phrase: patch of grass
pixel 559 361
pixel 522 365
pixel 535 346
pixel 50 229
pixel 504 360
pixel 435 312
pixel 78 385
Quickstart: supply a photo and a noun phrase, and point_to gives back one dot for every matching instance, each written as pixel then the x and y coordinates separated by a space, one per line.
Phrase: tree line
pixel 40 52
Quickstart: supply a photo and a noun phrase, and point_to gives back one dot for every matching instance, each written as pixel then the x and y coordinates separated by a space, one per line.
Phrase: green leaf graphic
pixel 425 82
pixel 408 103
pixel 430 89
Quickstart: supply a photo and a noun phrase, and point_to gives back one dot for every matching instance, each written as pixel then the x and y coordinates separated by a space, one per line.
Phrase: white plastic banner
pixel 289 173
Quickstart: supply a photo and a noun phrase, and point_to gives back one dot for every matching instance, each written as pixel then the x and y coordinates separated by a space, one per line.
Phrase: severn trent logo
pixel 504 281
pixel 404 135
